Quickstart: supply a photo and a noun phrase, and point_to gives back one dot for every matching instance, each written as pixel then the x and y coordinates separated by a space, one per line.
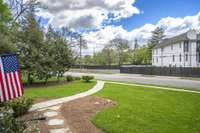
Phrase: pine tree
pixel 31 42
pixel 157 36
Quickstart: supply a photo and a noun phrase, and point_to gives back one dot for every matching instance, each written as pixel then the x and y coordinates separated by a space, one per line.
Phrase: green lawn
pixel 145 110
pixel 59 90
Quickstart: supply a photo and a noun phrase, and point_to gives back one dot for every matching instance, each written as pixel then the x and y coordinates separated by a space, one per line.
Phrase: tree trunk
pixel 29 79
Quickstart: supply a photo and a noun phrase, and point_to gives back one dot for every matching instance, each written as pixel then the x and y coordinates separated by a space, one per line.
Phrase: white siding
pixel 165 58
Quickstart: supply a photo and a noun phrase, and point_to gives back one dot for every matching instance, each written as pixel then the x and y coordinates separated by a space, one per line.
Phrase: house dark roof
pixel 168 41
pixel 198 36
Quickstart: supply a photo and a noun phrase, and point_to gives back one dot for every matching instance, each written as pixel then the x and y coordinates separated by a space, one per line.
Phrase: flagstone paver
pixel 50 114
pixel 62 130
pixel 96 88
pixel 54 108
pixel 55 122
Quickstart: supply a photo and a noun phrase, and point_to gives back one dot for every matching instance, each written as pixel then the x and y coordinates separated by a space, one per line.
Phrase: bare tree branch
pixel 19 7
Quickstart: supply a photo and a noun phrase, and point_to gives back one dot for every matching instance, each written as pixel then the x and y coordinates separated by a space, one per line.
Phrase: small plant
pixel 10 124
pixel 69 78
pixel 77 78
pixel 20 106
pixel 87 78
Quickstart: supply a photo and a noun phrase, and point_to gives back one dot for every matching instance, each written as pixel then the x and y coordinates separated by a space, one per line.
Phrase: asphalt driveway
pixel 153 80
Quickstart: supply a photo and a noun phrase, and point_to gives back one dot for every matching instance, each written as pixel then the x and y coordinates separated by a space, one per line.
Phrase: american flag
pixel 10 78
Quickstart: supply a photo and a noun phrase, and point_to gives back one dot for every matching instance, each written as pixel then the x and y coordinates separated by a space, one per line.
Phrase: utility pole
pixel 94 53
pixel 136 44
pixel 80 52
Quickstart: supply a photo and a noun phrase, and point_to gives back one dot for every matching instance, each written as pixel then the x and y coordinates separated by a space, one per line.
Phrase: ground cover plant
pixel 147 110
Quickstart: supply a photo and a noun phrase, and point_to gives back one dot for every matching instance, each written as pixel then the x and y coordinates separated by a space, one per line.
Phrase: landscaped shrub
pixel 69 78
pixel 20 106
pixel 77 78
pixel 87 78
pixel 10 124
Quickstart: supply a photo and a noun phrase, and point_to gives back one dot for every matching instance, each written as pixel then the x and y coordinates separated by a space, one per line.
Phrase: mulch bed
pixel 76 114
pixel 79 112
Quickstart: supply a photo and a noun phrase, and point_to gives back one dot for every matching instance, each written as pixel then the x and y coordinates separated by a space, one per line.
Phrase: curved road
pixel 153 80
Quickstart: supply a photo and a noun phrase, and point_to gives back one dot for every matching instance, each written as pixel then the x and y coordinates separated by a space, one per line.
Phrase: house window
pixel 186 46
pixel 198 51
pixel 162 49
pixel 172 47
pixel 173 58
pixel 186 57
pixel 180 58
pixel 157 59
pixel 180 46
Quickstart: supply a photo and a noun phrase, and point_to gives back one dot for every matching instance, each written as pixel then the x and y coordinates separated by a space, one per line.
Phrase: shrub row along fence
pixel 95 67
pixel 162 71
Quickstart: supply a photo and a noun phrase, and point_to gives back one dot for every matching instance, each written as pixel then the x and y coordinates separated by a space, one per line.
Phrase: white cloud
pixel 85 13
pixel 90 14
pixel 172 26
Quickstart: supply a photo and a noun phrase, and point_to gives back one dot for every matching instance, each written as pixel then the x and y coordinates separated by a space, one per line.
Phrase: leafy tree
pixel 6 45
pixel 88 60
pixel 121 46
pixel 108 54
pixel 30 45
pixel 5 15
pixel 140 56
pixel 62 54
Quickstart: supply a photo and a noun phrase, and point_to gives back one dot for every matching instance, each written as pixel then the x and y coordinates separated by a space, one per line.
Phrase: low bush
pixel 77 78
pixel 69 78
pixel 10 124
pixel 87 78
pixel 20 106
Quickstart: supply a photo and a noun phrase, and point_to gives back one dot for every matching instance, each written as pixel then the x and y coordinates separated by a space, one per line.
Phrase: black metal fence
pixel 162 71
pixel 96 67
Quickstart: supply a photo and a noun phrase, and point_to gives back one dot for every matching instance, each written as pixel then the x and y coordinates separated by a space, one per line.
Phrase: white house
pixel 179 51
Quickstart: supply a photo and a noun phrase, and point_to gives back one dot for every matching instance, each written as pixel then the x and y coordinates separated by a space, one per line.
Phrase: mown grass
pixel 58 91
pixel 145 110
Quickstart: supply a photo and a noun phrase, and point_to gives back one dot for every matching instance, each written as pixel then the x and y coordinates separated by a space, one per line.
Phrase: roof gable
pixel 175 39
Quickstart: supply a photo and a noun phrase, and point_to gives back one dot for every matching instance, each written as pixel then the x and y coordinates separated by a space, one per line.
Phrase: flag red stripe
pixel 15 79
pixel 8 88
pixel 3 80
pixel 2 86
pixel 12 85
pixel 18 82
pixel 19 75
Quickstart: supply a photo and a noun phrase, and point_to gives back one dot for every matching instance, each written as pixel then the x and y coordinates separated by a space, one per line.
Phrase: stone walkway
pixel 51 110
pixel 42 105
pixel 55 121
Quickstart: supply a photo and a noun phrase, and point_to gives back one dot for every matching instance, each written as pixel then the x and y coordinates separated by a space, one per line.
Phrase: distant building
pixel 179 51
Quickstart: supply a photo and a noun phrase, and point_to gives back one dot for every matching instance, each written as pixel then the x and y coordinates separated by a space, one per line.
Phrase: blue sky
pixel 131 19
pixel 154 10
